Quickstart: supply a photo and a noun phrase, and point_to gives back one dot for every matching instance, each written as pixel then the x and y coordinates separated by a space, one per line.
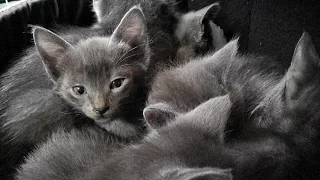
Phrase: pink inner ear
pixel 149 115
pixel 52 49
pixel 133 34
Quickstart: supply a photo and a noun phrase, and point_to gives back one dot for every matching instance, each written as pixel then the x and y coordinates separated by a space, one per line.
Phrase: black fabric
pixel 15 33
pixel 268 27
pixel 277 25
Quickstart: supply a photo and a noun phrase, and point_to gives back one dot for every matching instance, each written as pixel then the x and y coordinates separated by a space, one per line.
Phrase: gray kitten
pixel 100 77
pixel 287 106
pixel 185 87
pixel 88 155
pixel 80 80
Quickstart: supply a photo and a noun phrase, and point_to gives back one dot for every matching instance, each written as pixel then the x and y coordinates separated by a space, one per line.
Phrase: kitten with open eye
pixel 68 83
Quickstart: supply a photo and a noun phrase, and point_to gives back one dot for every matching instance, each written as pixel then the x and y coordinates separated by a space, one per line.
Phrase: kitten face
pixel 100 79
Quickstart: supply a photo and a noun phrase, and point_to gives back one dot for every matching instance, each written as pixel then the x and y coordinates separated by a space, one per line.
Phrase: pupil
pixel 79 90
pixel 116 83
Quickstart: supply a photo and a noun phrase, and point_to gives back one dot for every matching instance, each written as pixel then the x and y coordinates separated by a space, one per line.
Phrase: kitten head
pixel 197 33
pixel 158 114
pixel 295 101
pixel 101 76
pixel 99 9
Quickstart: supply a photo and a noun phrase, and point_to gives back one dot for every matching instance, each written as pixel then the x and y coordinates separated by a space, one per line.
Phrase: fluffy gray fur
pixel 93 63
pixel 69 155
pixel 281 142
pixel 273 142
pixel 38 93
pixel 185 87
pixel 161 21
pixel 86 155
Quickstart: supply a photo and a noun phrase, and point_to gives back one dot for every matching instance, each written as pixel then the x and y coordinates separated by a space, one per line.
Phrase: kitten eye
pixel 79 90
pixel 116 83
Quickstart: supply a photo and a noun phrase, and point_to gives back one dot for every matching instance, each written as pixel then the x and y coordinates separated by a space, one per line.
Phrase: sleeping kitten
pixel 280 141
pixel 289 107
pixel 185 87
pixel 198 34
pixel 88 153
pixel 67 84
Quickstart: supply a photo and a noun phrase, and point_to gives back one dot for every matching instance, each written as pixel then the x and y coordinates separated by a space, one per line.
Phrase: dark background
pixel 266 27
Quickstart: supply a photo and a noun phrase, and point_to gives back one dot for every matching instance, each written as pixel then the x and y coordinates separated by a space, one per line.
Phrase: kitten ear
pixel 193 24
pixel 51 49
pixel 209 12
pixel 217 34
pixel 227 52
pixel 132 28
pixel 203 174
pixel 158 114
pixel 97 9
pixel 303 71
pixel 210 116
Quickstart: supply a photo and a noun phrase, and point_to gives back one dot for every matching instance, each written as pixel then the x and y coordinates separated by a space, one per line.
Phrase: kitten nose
pixel 101 110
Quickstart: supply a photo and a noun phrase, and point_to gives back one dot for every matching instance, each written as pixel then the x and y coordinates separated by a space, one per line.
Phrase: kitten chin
pixel 124 129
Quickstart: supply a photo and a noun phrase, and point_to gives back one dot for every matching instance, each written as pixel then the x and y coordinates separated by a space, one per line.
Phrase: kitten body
pixel 69 155
pixel 205 120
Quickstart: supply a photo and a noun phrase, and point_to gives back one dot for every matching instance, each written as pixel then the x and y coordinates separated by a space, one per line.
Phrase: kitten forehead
pixel 102 43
